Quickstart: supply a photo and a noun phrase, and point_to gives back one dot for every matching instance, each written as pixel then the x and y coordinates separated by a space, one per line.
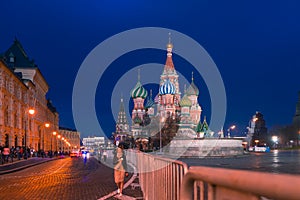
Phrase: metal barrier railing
pixel 216 183
pixel 159 178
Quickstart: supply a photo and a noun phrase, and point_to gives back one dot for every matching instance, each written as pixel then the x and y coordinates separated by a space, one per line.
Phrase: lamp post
pixel 47 125
pixel 63 146
pixel 160 143
pixel 160 138
pixel 59 136
pixel 54 134
pixel 275 141
pixel 30 111
pixel 228 130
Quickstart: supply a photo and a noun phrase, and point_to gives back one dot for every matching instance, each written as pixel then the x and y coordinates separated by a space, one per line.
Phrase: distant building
pixel 260 132
pixel 296 118
pixel 72 139
pixel 93 142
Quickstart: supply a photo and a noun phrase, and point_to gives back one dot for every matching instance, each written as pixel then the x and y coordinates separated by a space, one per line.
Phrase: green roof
pixel 21 59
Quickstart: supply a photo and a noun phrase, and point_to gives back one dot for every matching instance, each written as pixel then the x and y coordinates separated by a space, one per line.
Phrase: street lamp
pixel 160 139
pixel 54 134
pixel 230 128
pixel 256 142
pixel 59 136
pixel 47 125
pixel 275 140
pixel 30 111
pixel 63 145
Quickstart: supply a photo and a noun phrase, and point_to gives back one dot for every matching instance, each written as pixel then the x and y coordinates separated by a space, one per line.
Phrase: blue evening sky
pixel 255 45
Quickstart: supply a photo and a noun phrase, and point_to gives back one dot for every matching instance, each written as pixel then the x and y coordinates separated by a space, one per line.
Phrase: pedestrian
pixel 104 155
pixel 6 153
pixel 1 154
pixel 12 153
pixel 120 167
pixel 100 155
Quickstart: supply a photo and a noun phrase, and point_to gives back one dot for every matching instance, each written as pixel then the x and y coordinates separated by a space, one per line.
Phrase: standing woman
pixel 120 167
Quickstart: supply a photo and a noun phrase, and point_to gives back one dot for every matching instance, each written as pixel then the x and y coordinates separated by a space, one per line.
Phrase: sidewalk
pixel 17 165
pixel 131 189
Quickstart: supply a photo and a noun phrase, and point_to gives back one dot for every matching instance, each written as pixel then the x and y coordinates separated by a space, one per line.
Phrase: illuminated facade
pixel 72 138
pixel 22 89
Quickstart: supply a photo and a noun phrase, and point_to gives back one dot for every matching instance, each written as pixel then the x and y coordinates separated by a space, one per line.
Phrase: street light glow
pixel 275 138
pixel 31 111
pixel 47 125
pixel 54 133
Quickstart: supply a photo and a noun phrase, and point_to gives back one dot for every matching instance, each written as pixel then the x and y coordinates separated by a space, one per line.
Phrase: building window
pixel 11 59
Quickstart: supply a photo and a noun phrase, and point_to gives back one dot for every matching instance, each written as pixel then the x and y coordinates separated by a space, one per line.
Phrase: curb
pixel 23 167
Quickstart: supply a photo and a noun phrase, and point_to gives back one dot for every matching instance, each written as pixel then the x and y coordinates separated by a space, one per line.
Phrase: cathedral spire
pixel 169 47
pixel 122 125
pixel 169 62
pixel 192 76
pixel 139 75
pixel 122 109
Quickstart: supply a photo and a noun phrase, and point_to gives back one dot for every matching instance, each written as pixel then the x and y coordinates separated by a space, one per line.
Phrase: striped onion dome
pixel 167 88
pixel 185 102
pixel 139 91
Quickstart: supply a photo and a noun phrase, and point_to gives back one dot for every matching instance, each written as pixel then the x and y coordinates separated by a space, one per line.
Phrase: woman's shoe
pixel 118 191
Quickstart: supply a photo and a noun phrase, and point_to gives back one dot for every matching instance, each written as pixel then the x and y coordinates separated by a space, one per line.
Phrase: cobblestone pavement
pixel 68 178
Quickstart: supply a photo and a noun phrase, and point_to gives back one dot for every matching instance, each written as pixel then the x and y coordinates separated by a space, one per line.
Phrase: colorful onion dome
pixel 192 89
pixel 139 91
pixel 167 88
pixel 185 102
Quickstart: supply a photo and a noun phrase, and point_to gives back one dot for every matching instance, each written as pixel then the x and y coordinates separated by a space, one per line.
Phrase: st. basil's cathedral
pixel 149 115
